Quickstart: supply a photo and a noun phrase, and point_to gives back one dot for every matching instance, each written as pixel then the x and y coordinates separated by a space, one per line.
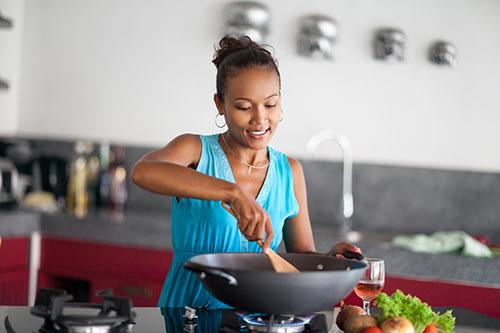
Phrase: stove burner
pixel 113 315
pixel 275 323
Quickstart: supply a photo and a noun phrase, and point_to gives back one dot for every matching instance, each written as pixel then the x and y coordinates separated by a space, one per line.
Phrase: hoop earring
pixel 281 115
pixel 217 124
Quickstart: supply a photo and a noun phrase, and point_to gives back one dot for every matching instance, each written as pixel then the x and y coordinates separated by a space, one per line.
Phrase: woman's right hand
pixel 253 221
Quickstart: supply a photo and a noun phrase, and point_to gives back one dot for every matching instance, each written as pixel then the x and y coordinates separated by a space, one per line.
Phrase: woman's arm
pixel 170 171
pixel 297 231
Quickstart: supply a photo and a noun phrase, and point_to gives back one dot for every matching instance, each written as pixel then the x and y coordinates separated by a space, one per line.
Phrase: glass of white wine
pixel 372 283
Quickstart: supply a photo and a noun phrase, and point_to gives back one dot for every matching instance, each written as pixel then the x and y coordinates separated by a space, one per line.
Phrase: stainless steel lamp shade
pixel 317 37
pixel 443 53
pixel 390 45
pixel 247 18
pixel 5 22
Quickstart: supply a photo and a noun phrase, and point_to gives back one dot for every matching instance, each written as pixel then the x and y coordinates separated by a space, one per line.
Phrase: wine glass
pixel 372 283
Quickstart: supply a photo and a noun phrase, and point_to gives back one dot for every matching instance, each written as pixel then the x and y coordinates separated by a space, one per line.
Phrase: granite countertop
pixel 18 223
pixel 152 230
pixel 135 228
pixel 399 262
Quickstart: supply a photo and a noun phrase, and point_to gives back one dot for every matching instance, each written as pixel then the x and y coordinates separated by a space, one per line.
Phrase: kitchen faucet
pixel 347 198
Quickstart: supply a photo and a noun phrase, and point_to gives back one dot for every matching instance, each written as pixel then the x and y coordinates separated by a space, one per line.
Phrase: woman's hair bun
pixel 234 54
pixel 228 45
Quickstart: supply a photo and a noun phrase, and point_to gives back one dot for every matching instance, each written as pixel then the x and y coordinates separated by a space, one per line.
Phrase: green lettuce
pixel 412 308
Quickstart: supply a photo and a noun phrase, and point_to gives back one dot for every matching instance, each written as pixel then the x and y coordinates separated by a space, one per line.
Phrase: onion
pixel 346 312
pixel 397 325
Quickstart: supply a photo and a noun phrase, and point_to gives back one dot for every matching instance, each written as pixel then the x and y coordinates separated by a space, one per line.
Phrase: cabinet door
pixel 14 271
pixel 86 267
pixel 82 259
pixel 14 287
pixel 141 292
pixel 14 253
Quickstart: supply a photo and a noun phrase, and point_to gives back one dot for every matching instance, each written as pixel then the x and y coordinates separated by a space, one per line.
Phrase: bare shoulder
pixel 295 166
pixel 186 140
pixel 184 149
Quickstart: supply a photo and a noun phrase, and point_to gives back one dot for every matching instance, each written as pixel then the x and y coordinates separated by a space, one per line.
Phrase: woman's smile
pixel 259 134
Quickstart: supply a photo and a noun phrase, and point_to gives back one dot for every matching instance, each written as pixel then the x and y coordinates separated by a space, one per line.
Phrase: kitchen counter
pixel 153 320
pixel 399 262
pixel 135 228
pixel 14 223
pixel 152 230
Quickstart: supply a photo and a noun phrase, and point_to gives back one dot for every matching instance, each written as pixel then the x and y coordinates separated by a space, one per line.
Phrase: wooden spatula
pixel 280 265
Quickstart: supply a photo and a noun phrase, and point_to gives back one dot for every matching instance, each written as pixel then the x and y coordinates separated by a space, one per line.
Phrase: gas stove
pixel 59 314
pixel 55 313
pixel 231 321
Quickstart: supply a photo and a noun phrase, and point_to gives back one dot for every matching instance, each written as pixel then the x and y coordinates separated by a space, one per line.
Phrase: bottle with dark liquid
pixel 103 186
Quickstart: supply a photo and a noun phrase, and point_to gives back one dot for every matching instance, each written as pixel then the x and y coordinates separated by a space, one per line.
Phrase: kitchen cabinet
pixel 84 266
pixel 14 271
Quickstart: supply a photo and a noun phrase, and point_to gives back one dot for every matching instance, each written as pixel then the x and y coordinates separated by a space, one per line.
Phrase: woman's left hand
pixel 338 249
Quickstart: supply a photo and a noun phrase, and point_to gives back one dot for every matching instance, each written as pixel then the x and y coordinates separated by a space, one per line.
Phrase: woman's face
pixel 252 106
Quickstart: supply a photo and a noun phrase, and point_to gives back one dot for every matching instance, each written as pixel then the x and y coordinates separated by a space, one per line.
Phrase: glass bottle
pixel 77 197
pixel 118 182
pixel 103 181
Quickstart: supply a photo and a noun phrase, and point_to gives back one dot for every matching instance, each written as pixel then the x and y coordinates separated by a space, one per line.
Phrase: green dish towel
pixel 443 242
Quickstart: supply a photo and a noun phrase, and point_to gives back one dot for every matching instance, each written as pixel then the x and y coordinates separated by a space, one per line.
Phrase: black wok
pixel 248 282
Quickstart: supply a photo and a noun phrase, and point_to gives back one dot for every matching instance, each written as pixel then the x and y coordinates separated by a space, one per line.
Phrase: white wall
pixel 10 58
pixel 139 72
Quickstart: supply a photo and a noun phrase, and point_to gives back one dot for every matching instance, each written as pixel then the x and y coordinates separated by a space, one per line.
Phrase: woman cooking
pixel 265 189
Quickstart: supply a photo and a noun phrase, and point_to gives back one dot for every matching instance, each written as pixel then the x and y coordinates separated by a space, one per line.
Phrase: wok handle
pixel 353 255
pixel 202 271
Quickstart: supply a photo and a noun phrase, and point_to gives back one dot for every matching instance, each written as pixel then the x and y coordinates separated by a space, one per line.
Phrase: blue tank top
pixel 202 226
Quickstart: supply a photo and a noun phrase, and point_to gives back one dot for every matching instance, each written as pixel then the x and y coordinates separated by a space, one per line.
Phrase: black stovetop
pixel 154 320
pixel 147 320
pixel 56 312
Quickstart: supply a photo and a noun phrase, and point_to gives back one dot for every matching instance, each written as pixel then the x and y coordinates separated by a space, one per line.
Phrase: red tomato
pixel 431 328
pixel 372 329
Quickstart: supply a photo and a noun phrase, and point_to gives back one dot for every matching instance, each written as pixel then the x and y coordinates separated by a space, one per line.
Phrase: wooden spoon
pixel 280 265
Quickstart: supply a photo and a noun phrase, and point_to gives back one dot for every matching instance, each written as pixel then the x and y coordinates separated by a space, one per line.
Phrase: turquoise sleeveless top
pixel 202 226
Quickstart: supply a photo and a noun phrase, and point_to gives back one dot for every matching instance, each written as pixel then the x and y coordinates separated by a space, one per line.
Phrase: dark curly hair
pixel 235 54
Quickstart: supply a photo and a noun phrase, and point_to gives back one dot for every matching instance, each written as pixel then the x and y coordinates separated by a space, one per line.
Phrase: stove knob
pixel 189 314
pixel 190 319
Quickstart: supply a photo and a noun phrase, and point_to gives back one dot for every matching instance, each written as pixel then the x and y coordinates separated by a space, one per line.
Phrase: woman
pixel 265 188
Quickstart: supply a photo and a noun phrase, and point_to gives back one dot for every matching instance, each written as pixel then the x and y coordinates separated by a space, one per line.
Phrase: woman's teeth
pixel 258 133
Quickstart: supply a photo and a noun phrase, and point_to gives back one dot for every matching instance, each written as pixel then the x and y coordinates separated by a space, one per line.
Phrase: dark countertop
pixel 18 223
pixel 399 262
pixel 152 230
pixel 136 228
pixel 153 320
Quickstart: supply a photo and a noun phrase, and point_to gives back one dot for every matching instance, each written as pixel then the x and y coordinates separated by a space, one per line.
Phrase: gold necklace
pixel 250 166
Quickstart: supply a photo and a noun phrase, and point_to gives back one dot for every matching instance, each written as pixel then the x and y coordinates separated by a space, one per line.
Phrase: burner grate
pixel 275 323
pixel 113 315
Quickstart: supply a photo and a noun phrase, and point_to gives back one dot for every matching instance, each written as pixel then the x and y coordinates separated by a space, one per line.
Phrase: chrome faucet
pixel 347 198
